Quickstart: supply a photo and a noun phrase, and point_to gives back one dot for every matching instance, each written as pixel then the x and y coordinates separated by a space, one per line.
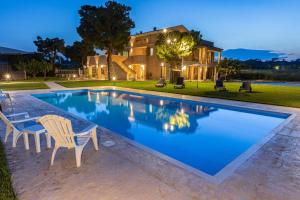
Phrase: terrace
pixel 129 171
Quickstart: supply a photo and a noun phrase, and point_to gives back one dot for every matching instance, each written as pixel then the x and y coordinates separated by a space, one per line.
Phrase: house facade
pixel 139 60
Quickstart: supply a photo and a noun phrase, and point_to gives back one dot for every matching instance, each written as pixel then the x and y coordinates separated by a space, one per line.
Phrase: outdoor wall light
pixel 114 78
pixel 74 75
pixel 162 64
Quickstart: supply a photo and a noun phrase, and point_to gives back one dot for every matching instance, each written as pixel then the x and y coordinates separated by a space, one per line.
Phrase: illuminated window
pixel 151 51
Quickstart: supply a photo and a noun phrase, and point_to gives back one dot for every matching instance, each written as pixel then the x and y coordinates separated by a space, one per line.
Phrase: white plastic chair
pixel 60 129
pixel 24 126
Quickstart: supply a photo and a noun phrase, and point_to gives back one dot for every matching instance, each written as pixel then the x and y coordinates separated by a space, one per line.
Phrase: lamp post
pixel 114 79
pixel 161 69
pixel 198 76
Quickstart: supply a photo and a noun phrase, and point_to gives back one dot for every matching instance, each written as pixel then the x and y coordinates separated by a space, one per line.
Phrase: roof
pixel 205 43
pixel 210 45
pixel 10 51
pixel 160 30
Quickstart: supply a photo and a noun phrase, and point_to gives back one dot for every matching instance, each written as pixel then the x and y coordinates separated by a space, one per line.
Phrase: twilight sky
pixel 254 24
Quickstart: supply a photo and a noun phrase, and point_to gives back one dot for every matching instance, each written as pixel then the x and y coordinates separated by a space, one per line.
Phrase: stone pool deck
pixel 125 171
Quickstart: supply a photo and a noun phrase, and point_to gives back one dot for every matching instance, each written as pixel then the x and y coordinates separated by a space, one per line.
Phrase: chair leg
pixel 53 154
pixel 26 141
pixel 37 143
pixel 94 138
pixel 7 132
pixel 16 135
pixel 15 138
pixel 48 138
pixel 78 152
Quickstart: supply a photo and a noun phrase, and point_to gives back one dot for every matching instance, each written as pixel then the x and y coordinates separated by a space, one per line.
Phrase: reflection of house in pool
pixel 164 114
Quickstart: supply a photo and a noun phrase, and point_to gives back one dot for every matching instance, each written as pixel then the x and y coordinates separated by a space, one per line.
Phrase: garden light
pixel 7 76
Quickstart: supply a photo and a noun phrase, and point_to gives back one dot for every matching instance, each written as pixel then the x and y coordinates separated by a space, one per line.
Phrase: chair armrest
pixel 86 131
pixel 26 115
pixel 25 120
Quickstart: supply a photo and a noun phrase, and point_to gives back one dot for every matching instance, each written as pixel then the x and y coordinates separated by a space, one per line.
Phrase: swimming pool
pixel 205 136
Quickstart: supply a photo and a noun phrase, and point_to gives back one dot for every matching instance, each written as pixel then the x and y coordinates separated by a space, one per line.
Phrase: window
pixel 125 53
pixel 151 51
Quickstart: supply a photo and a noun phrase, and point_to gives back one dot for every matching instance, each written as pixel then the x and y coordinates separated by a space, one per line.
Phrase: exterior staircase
pixel 119 60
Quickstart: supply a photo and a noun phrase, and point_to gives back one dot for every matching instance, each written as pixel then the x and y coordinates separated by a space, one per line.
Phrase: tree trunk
pixel 45 74
pixel 108 60
pixel 34 75
pixel 53 61
pixel 25 74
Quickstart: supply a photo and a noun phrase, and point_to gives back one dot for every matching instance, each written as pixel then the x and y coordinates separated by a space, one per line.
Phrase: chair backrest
pixel 246 84
pixel 5 120
pixel 161 81
pixel 60 129
pixel 219 83
pixel 180 81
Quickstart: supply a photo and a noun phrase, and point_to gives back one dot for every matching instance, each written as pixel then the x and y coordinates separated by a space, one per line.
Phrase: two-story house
pixel 139 60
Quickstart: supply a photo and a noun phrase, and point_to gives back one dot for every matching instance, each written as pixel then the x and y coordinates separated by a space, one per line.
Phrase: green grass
pixel 6 189
pixel 41 79
pixel 266 94
pixel 22 85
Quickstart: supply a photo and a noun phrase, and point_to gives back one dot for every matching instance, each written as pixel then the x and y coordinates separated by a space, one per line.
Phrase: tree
pixel 106 27
pixel 22 67
pixel 45 67
pixel 34 67
pixel 172 47
pixel 49 48
pixel 79 51
pixel 228 67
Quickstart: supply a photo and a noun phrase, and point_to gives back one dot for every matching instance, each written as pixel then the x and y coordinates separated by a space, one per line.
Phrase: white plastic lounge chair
pixel 3 97
pixel 24 126
pixel 61 130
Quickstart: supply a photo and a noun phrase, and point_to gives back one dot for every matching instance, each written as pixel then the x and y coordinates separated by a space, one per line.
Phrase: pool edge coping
pixel 225 172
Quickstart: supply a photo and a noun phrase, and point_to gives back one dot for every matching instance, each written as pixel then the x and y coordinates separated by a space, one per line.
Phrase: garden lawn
pixel 22 85
pixel 6 189
pixel 266 94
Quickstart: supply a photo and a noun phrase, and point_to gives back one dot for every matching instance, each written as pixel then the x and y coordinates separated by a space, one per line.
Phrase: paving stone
pixel 124 171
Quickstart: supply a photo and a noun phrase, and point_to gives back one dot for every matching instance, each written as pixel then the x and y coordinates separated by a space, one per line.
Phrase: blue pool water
pixel 205 136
